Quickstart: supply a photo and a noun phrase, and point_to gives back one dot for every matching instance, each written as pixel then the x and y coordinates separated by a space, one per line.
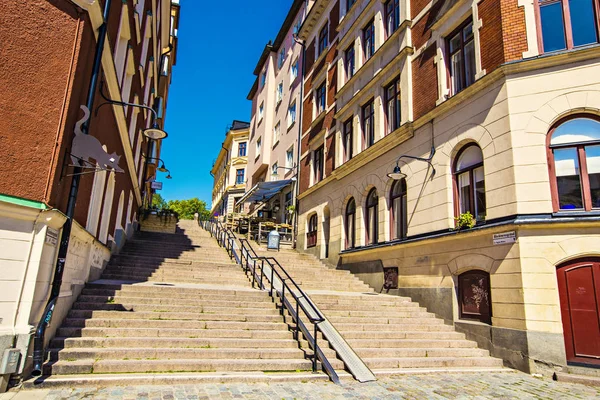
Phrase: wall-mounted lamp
pixel 397 174
pixel 275 174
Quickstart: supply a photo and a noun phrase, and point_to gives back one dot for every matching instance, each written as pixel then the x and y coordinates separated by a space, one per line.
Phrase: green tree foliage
pixel 158 202
pixel 186 208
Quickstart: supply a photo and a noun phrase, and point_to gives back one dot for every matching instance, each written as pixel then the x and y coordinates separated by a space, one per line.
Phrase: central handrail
pixel 280 282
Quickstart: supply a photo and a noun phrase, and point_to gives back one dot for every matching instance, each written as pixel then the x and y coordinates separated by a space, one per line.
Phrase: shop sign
pixel 156 185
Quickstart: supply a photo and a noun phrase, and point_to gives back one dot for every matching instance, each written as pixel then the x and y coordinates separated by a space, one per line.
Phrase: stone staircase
pixel 391 334
pixel 173 303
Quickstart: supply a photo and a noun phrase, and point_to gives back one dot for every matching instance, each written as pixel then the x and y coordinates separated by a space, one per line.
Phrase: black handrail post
pixel 262 272
pixel 282 294
pixel 315 350
pixel 272 272
pixel 297 319
pixel 253 272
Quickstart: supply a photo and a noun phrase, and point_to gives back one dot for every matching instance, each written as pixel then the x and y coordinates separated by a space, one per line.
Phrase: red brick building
pixel 48 54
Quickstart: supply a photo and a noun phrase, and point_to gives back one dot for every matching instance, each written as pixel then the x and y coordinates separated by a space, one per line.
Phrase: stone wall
pixel 156 223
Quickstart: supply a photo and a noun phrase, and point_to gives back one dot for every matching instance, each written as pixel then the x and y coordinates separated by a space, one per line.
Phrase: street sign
pixel 156 185
pixel 505 238
pixel 51 236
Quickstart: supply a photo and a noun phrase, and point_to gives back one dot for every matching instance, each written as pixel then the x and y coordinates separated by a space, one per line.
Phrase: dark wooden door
pixel 579 290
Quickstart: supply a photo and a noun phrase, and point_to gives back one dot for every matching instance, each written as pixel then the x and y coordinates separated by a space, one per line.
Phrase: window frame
pixel 567 23
pixel 281 57
pixel 349 5
pixel 348 139
pixel 238 175
pixel 289 163
pixel 371 134
pixel 350 62
pixel 584 178
pixel 318 164
pixel 403 196
pixel 291 120
pixel 323 41
pixel 312 230
pixel 372 238
pixel 368 40
pixel 394 11
pixel 350 215
pixel 321 98
pixel 276 133
pixel 396 102
pixel 469 170
pixel 449 55
pixel 242 146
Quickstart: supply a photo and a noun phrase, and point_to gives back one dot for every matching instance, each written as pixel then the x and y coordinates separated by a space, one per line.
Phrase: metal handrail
pixel 279 282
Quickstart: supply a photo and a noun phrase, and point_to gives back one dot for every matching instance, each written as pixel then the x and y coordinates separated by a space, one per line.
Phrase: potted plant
pixel 465 221
pixel 291 209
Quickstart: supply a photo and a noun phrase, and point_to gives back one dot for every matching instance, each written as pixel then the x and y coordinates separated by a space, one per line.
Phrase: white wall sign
pixel 505 237
pixel 156 185
pixel 51 236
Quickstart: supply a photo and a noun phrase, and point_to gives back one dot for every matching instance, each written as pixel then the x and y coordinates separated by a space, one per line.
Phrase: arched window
pixel 371 217
pixel 350 217
pixel 574 155
pixel 470 182
pixel 311 232
pixel 474 297
pixel 398 215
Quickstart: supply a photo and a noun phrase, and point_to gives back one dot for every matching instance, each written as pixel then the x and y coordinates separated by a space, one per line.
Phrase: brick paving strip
pixel 509 385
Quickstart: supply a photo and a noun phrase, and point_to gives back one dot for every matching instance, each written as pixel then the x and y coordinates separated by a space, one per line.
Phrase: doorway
pixel 579 291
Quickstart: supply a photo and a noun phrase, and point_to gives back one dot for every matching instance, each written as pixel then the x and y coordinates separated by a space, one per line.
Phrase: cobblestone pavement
pixel 511 385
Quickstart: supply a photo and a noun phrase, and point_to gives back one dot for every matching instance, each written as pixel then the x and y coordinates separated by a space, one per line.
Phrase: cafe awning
pixel 263 191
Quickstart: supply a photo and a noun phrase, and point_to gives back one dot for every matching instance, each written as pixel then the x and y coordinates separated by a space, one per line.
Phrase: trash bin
pixel 273 240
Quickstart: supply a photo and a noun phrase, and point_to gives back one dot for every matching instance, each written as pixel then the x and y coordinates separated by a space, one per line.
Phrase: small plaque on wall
pixel 505 237
pixel 51 237
pixel 390 277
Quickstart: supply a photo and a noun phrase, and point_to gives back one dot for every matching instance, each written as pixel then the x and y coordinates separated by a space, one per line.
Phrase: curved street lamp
pixel 397 174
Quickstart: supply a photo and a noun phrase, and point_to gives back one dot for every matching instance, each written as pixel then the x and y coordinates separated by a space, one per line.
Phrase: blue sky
pixel 219 45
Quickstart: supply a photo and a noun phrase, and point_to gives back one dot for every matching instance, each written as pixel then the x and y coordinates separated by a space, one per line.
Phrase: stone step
pixel 370 300
pixel 88 366
pixel 410 332
pixel 151 353
pixel 180 290
pixel 174 316
pixel 236 275
pixel 407 325
pixel 214 268
pixel 182 293
pixel 170 342
pixel 172 260
pixel 170 279
pixel 172 308
pixel 420 352
pixel 397 313
pixel 360 306
pixel 432 362
pixel 173 333
pixel 130 300
pixel 159 323
pixel 364 323
pixel 410 343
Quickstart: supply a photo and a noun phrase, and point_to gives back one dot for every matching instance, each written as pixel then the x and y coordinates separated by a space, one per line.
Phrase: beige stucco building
pixel 502 130
pixel 230 169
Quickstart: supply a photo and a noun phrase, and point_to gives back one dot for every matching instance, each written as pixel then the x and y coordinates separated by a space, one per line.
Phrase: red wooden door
pixel 579 290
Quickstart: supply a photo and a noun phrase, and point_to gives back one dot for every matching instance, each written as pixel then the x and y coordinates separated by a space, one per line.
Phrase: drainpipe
pixel 38 341
pixel 299 139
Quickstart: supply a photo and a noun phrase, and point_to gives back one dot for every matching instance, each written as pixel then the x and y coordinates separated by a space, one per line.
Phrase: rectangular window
pixel 566 164
pixel 239 176
pixel 276 133
pixel 291 114
pixel 263 79
pixel 348 139
pixel 281 58
pixel 349 61
pixel 260 111
pixel 368 129
pixel 318 164
pixel 320 99
pixel 592 158
pixel 566 24
pixel 242 149
pixel 392 16
pixel 289 158
pixel 274 171
pixel 369 40
pixel 461 47
pixel 323 37
pixel 258 146
pixel 349 4
pixel 392 105
pixel 279 92
pixel 294 72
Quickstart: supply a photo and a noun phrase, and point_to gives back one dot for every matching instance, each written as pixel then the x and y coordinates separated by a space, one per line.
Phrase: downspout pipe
pixel 38 341
pixel 299 139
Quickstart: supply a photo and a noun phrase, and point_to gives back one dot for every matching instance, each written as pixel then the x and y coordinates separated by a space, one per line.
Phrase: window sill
pixel 275 144
pixel 577 213
pixel 290 126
